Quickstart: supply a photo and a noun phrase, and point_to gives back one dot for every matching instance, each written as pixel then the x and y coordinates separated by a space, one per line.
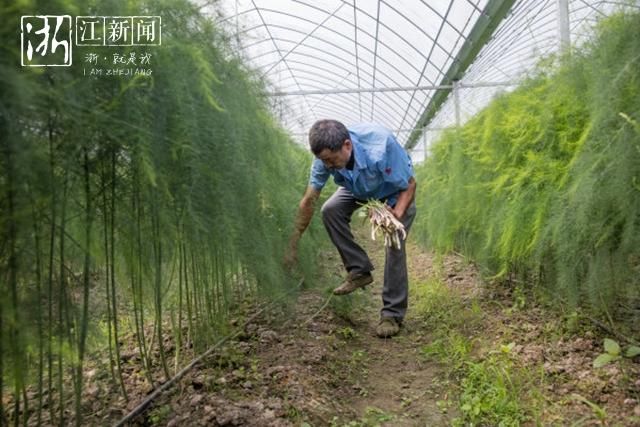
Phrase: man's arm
pixel 303 218
pixel 404 199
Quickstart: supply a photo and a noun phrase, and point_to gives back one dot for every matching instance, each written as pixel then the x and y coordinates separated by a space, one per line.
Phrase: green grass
pixel 492 392
pixel 489 388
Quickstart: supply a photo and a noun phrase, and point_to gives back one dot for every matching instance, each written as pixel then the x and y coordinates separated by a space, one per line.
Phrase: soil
pixel 319 363
pixel 323 365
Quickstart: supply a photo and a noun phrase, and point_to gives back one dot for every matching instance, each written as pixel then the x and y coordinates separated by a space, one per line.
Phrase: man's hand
pixel 303 218
pixel 404 200
pixel 291 255
pixel 395 211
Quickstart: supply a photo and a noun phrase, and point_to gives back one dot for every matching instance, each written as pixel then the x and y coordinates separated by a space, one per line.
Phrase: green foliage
pixel 162 197
pixel 598 411
pixel 542 185
pixel 491 393
pixel 442 306
pixel 159 415
pixel 452 348
pixel 492 390
pixel 373 417
pixel 613 352
pixel 450 321
pixel 346 333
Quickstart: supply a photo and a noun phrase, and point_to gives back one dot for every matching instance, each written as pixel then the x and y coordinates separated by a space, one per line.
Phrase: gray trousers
pixel 336 215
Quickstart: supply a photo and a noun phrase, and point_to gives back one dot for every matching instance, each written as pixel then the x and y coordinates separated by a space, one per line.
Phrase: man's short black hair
pixel 329 134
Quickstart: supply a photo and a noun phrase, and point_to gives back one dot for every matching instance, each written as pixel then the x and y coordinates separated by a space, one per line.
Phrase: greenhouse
pixel 320 213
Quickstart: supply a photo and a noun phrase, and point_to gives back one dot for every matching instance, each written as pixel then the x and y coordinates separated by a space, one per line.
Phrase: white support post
pixel 456 100
pixel 563 25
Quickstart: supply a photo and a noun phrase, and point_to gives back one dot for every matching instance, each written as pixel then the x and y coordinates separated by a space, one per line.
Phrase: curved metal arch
pixel 489 57
pixel 382 23
pixel 307 35
pixel 385 115
pixel 434 40
pixel 407 43
pixel 493 14
pixel 511 39
pixel 275 45
pixel 348 53
pixel 331 54
pixel 352 98
pixel 227 18
pixel 279 39
pixel 307 55
pixel 309 81
pixel 507 28
pixel 300 62
pixel 224 19
pixel 410 108
pixel 332 112
pixel 424 68
pixel 338 107
pixel 386 104
pixel 325 76
pixel 326 70
pixel 516 28
pixel 514 51
pixel 385 75
pixel 388 117
pixel 443 17
pixel 390 112
pixel 368 51
pixel 427 58
pixel 367 63
pixel 492 59
pixel 351 115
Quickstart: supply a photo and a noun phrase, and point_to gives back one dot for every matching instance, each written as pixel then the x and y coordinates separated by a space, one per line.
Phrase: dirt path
pixel 319 363
pixel 400 383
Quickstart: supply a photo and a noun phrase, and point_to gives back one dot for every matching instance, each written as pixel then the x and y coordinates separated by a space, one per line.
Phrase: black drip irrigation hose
pixel 145 403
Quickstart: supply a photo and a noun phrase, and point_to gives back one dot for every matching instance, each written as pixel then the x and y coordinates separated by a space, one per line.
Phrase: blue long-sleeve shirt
pixel 382 167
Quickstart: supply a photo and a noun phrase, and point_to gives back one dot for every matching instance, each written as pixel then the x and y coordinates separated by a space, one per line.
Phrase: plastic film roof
pixel 385 60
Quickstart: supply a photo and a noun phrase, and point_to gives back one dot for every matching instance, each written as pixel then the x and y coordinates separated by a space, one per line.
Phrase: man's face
pixel 336 159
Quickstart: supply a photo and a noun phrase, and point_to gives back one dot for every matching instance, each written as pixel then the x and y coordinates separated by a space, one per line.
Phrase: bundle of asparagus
pixel 382 219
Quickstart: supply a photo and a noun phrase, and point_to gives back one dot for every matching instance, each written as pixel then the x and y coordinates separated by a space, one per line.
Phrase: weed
pixel 443 405
pixel 600 413
pixel 347 333
pixel 492 391
pixel 160 414
pixel 438 305
pixel 454 349
pixel 613 352
pixel 373 417
pixel 491 394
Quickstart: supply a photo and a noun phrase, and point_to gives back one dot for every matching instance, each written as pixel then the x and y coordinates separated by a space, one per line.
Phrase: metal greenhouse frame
pixel 413 65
